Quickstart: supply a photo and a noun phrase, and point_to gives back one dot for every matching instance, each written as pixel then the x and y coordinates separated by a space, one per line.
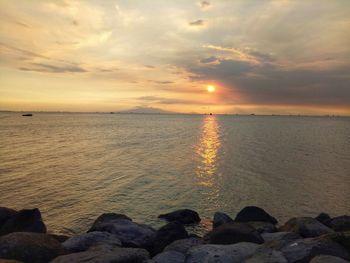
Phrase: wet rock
pixel 183 245
pixel 85 241
pixel 30 247
pixel 327 259
pixel 220 219
pixel 306 227
pixel 303 250
pixel 340 223
pixel 279 239
pixel 323 218
pixel 105 218
pixel 169 257
pixel 167 234
pixel 117 255
pixel 6 213
pixel 254 213
pixel 263 227
pixel 26 220
pixel 267 256
pixel 221 253
pixel 231 233
pixel 129 233
pixel 183 216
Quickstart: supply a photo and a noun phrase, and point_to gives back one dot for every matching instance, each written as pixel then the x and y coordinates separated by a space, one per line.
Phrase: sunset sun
pixel 210 88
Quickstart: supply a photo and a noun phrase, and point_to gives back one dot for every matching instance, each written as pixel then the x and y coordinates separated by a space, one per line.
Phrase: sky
pixel 263 57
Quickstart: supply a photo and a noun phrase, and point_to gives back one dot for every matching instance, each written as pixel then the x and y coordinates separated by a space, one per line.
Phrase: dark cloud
pixel 149 66
pixel 269 84
pixel 209 59
pixel 162 81
pixel 204 5
pixel 40 67
pixel 198 22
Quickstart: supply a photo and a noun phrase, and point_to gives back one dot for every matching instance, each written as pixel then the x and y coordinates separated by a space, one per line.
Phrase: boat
pixel 27 115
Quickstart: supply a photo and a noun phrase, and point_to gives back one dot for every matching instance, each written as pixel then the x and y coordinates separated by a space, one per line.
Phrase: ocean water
pixel 75 167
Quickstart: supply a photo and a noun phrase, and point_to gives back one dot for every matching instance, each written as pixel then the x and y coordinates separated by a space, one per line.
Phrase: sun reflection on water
pixel 207 150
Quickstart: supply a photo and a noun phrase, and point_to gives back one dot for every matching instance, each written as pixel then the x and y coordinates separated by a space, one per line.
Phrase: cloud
pixel 162 81
pixel 40 67
pixel 209 59
pixel 198 22
pixel 169 101
pixel 204 5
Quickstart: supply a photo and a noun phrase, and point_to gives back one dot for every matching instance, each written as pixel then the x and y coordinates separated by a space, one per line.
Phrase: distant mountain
pixel 147 110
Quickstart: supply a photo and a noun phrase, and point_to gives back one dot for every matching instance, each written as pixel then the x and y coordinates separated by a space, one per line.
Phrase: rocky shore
pixel 251 236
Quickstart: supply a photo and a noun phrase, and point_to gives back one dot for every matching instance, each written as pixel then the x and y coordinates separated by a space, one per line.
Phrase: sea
pixel 76 166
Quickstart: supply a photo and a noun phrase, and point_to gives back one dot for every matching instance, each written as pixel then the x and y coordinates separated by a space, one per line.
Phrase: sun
pixel 210 88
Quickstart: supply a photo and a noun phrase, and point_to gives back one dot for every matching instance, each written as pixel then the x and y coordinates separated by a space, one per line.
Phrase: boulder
pixel 323 218
pixel 327 259
pixel 26 220
pixel 263 227
pixel 231 233
pixel 129 233
pixel 105 218
pixel 183 245
pixel 85 241
pixel 254 213
pixel 6 213
pixel 117 255
pixel 340 223
pixel 30 247
pixel 279 239
pixel 60 238
pixel 306 227
pixel 236 253
pixel 183 216
pixel 303 250
pixel 168 234
pixel 220 219
pixel 342 238
pixel 169 257
pixel 267 256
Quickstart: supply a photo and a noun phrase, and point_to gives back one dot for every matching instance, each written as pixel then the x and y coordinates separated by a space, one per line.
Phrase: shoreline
pixel 253 235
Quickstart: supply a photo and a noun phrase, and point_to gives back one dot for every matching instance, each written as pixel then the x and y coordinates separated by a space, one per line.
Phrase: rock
pixel 9 261
pixel 130 234
pixel 340 223
pixel 6 213
pixel 183 216
pixel 85 241
pixel 254 213
pixel 26 220
pixel 342 238
pixel 59 238
pixel 306 227
pixel 267 256
pixel 279 239
pixel 323 218
pixel 167 234
pixel 231 233
pixel 183 245
pixel 327 259
pixel 30 247
pixel 169 257
pixel 117 255
pixel 105 218
pixel 220 219
pixel 236 253
pixel 263 227
pixel 303 250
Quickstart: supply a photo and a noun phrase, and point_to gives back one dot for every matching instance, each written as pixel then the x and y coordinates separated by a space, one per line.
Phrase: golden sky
pixel 281 57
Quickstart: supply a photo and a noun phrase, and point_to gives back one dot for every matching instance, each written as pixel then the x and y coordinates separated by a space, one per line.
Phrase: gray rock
pixel 263 227
pixel 105 218
pixel 279 239
pixel 220 219
pixel 303 250
pixel 267 256
pixel 306 227
pixel 169 257
pixel 221 253
pixel 26 220
pixel 6 213
pixel 183 216
pixel 117 255
pixel 85 241
pixel 130 234
pixel 327 259
pixel 340 223
pixel 30 247
pixel 231 233
pixel 323 218
pixel 183 245
pixel 254 213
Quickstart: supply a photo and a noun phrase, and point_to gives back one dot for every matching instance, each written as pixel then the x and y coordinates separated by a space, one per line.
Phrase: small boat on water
pixel 27 115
